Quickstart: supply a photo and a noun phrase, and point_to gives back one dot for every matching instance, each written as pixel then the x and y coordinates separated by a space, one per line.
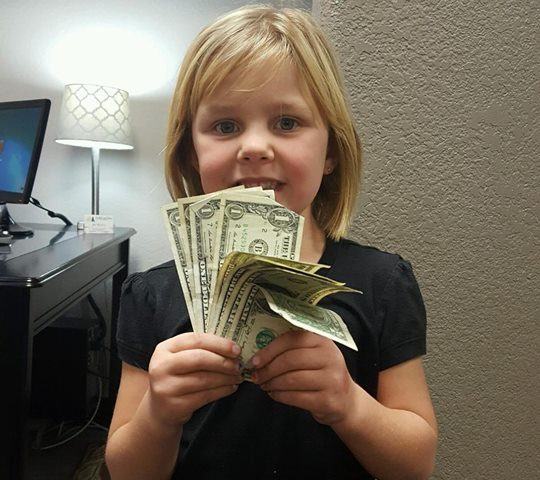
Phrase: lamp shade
pixel 95 116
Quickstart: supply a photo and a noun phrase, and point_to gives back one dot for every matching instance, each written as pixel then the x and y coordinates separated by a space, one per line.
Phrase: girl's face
pixel 268 136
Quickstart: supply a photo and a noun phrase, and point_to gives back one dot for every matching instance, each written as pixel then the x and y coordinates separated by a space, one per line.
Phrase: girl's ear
pixel 329 165
pixel 331 155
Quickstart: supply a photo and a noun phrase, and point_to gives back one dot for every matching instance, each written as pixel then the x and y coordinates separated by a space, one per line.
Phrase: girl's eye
pixel 287 123
pixel 226 127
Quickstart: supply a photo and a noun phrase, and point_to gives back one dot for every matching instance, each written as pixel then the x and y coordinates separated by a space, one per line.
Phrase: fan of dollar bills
pixel 236 253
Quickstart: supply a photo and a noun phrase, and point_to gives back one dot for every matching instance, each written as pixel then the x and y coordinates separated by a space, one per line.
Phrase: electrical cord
pixel 34 201
pixel 89 423
pixel 97 344
pixel 99 426
pixel 101 319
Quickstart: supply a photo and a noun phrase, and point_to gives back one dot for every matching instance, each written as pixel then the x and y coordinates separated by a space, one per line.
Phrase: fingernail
pixel 255 361
pixel 236 349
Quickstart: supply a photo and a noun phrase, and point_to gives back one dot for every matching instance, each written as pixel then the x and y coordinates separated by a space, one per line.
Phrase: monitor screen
pixel 22 129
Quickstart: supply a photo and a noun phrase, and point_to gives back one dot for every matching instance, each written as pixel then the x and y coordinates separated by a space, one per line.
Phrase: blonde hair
pixel 247 39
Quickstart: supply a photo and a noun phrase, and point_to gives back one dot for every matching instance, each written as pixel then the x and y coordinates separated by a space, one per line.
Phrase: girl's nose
pixel 255 146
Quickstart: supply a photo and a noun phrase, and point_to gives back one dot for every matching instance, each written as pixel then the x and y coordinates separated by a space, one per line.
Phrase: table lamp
pixel 96 117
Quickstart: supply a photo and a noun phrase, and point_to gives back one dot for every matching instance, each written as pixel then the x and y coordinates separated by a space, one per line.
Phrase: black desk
pixel 40 279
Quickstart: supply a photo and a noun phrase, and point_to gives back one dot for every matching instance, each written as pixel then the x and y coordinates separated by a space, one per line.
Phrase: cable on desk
pixel 34 201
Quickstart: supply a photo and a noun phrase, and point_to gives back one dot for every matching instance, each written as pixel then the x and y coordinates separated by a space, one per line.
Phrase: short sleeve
pixel 137 306
pixel 403 334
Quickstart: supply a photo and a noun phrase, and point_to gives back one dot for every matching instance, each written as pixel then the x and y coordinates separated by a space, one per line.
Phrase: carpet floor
pixel 79 459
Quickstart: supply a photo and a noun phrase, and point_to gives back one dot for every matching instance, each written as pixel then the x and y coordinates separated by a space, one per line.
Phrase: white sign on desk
pixel 98 224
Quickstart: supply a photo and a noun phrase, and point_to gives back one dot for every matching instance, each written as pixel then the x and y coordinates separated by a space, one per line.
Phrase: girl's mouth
pixel 266 184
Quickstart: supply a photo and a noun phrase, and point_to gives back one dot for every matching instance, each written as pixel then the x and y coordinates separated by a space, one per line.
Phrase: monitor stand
pixel 8 225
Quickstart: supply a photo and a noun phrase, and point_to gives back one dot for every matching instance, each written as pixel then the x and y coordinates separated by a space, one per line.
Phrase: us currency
pixel 237 259
pixel 265 315
pixel 203 219
pixel 257 327
pixel 290 293
pixel 204 216
pixel 310 317
pixel 197 319
pixel 185 225
pixel 178 226
pixel 295 279
pixel 173 222
pixel 234 266
pixel 260 282
pixel 259 226
pixel 194 283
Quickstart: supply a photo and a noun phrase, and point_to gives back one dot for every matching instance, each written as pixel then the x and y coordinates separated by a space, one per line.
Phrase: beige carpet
pixel 92 466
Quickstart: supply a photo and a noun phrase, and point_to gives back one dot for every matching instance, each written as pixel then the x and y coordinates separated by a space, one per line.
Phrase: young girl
pixel 259 101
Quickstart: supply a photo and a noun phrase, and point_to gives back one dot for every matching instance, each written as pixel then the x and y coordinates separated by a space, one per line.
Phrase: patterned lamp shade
pixel 94 116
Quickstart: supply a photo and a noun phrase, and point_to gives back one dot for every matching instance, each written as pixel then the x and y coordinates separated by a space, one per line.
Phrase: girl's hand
pixel 306 370
pixel 189 371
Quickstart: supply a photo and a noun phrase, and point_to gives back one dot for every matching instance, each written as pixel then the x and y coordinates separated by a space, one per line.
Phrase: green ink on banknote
pixel 264 337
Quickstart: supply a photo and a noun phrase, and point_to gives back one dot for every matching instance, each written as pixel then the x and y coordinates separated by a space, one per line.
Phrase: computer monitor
pixel 22 130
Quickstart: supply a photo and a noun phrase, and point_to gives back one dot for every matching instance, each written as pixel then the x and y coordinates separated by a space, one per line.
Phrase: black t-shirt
pixel 248 435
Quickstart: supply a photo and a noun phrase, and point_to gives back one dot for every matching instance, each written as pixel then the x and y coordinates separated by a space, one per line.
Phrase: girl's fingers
pixel 325 393
pixel 178 408
pixel 188 361
pixel 287 341
pixel 191 352
pixel 203 341
pixel 190 370
pixel 306 400
pixel 195 400
pixel 291 361
pixel 297 380
pixel 196 382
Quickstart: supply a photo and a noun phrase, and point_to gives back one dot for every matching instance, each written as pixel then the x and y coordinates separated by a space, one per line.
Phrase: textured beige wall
pixel 446 96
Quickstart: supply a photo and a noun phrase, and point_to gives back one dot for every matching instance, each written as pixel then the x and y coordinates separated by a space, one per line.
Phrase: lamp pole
pixel 95 181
